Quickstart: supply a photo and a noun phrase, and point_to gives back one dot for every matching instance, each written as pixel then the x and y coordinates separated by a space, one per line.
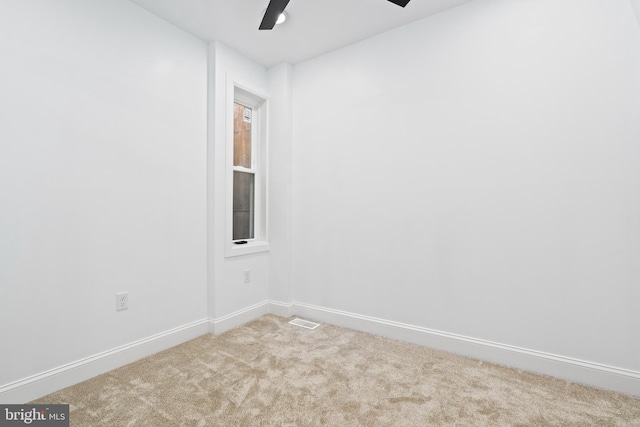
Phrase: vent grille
pixel 304 323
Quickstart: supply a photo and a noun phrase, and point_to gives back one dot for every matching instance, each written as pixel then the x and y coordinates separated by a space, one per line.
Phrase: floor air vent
pixel 304 323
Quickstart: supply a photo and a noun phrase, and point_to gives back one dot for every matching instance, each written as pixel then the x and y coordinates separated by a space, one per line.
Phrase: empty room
pixel 443 196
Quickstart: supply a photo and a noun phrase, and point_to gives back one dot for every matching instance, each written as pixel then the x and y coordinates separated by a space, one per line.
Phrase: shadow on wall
pixel 636 7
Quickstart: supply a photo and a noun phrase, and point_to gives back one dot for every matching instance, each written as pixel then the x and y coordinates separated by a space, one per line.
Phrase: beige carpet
pixel 270 373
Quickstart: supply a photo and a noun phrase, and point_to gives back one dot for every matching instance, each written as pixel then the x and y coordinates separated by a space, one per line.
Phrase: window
pixel 246 177
pixel 244 174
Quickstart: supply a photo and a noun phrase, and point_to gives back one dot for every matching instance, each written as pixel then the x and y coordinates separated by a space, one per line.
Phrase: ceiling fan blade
pixel 402 3
pixel 275 8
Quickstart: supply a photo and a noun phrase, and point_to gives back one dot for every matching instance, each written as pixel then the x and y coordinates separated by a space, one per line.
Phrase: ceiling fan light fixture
pixel 274 13
pixel 283 17
pixel 269 21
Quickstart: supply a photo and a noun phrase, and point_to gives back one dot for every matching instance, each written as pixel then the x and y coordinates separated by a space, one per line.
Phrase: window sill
pixel 252 247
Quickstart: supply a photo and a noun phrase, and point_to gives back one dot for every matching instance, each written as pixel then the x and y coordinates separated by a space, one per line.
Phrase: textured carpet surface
pixel 270 373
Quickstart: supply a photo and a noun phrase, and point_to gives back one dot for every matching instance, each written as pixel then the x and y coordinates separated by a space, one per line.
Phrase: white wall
pixel 102 180
pixel 478 173
pixel 271 270
pixel 228 293
pixel 636 7
pixel 280 182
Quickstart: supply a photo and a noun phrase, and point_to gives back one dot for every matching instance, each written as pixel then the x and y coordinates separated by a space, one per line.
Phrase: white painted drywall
pixel 227 291
pixel 636 8
pixel 280 181
pixel 478 173
pixel 102 180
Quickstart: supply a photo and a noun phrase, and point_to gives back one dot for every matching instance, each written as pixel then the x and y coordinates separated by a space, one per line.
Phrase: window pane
pixel 242 118
pixel 243 205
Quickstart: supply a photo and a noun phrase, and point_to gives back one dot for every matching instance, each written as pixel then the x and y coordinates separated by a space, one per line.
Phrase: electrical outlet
pixel 247 276
pixel 122 301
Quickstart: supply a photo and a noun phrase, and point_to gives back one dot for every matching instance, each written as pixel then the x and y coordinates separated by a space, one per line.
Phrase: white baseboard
pixel 589 373
pixel 580 371
pixel 281 309
pixel 36 386
pixel 238 318
pixel 41 384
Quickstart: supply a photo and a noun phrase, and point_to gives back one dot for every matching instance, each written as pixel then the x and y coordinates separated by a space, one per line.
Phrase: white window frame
pixel 241 94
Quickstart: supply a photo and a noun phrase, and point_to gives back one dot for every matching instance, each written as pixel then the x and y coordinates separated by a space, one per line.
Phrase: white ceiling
pixel 314 27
